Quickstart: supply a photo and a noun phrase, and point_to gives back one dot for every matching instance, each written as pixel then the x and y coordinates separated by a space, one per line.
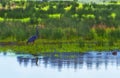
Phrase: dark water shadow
pixel 72 60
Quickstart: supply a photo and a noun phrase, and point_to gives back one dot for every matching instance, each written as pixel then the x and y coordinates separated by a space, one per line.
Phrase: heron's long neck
pixel 37 32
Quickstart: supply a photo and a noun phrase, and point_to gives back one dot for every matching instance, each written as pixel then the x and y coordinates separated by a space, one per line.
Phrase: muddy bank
pixel 11 43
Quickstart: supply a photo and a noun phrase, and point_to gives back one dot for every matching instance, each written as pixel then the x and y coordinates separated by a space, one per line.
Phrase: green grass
pixel 50 47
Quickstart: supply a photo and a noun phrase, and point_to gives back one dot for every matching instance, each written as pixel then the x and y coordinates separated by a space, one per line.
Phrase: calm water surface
pixel 64 65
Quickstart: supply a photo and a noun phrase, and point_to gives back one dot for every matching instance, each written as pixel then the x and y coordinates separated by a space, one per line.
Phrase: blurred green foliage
pixel 59 20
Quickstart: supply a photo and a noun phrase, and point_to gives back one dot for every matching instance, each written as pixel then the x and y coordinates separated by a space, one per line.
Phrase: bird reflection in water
pixel 34 61
pixel 28 59
pixel 72 60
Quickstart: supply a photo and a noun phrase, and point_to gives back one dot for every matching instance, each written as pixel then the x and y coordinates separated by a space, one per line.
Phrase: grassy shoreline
pixel 50 47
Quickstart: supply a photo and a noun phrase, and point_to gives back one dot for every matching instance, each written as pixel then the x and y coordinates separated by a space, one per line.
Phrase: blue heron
pixel 34 37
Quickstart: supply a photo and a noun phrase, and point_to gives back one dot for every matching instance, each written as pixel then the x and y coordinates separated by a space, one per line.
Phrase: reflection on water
pixel 60 65
pixel 90 60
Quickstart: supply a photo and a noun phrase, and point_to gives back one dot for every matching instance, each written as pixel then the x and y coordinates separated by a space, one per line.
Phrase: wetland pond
pixel 60 65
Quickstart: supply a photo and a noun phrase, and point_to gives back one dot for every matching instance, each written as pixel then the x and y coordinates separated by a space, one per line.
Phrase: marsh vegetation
pixel 63 25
